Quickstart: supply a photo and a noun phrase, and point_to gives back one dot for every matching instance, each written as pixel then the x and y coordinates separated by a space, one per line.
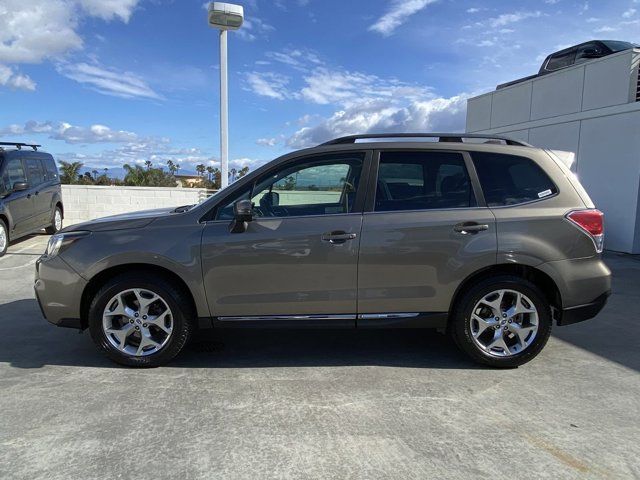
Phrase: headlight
pixel 61 241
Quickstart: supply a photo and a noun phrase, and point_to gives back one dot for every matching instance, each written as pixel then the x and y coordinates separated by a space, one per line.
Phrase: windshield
pixel 617 46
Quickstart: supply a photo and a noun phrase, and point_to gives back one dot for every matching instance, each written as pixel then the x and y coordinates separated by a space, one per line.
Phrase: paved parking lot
pixel 317 404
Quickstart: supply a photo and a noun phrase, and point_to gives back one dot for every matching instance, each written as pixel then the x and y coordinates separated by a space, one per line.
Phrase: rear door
pixel 19 204
pixel 425 229
pixel 36 178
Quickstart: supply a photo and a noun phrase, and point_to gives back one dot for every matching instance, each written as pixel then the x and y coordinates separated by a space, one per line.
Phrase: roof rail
pixel 19 145
pixel 442 137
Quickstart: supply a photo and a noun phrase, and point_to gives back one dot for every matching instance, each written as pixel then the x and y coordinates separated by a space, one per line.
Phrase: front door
pixel 423 234
pixel 297 259
pixel 19 204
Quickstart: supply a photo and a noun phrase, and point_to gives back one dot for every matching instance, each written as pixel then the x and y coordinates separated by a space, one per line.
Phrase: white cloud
pixel 9 78
pixel 267 142
pixel 398 13
pixel 629 13
pixel 473 10
pixel 268 84
pixel 508 18
pixel 108 81
pixel 71 134
pixel 109 9
pixel 435 114
pixel 605 29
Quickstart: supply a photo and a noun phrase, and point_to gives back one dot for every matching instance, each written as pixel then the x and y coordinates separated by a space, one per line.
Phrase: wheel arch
pixel 98 280
pixel 532 274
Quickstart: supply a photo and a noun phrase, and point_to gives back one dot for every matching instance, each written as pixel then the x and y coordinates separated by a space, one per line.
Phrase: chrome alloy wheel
pixel 4 238
pixel 137 322
pixel 504 323
pixel 57 220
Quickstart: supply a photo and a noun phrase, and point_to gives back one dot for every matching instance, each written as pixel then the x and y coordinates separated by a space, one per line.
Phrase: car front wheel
pixel 140 322
pixel 4 238
pixel 502 322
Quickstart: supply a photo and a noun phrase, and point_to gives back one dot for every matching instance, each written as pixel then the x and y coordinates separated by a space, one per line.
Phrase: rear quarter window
pixel 511 180
pixel 52 171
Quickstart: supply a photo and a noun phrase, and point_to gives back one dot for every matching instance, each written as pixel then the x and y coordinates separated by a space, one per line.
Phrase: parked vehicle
pixel 492 242
pixel 575 55
pixel 30 193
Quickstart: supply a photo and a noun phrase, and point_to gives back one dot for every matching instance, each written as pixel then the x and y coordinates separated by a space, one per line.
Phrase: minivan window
pixel 510 180
pixel 324 185
pixel 52 171
pixel 13 173
pixel 422 180
pixel 35 172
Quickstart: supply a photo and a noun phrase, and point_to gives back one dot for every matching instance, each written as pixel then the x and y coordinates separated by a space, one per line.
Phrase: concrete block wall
pixel 88 202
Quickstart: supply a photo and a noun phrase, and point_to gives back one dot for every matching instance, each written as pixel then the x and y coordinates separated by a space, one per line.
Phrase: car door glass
pixel 422 181
pixel 323 185
pixel 13 173
pixel 588 52
pixel 35 172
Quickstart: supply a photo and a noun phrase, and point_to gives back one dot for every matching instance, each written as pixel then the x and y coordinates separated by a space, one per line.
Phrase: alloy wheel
pixel 137 322
pixel 4 238
pixel 57 220
pixel 504 323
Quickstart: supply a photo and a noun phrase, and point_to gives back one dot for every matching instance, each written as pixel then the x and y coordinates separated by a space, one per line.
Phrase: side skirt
pixel 366 320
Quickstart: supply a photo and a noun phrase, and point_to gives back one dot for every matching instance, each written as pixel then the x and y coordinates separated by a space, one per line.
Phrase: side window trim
pixel 370 200
pixel 211 215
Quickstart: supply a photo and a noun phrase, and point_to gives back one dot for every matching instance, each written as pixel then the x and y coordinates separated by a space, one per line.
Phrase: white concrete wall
pixel 589 110
pixel 87 202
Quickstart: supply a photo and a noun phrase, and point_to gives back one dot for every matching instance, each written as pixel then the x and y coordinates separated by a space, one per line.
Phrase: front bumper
pixel 58 289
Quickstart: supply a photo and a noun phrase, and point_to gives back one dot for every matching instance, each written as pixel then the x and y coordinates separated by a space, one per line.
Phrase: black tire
pixel 177 300
pixel 5 229
pixel 51 229
pixel 460 327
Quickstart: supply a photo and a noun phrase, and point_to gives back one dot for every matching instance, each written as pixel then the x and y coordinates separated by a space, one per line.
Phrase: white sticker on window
pixel 546 193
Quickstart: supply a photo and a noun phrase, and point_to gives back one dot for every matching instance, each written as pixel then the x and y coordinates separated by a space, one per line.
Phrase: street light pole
pixel 224 112
pixel 224 16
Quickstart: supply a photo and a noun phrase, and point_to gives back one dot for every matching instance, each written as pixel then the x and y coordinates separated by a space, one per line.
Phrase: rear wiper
pixel 184 208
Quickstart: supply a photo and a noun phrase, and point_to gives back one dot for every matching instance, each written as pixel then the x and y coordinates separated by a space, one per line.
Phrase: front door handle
pixel 338 237
pixel 470 228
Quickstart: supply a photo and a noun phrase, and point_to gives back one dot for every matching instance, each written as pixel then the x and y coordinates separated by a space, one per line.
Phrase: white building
pixel 593 110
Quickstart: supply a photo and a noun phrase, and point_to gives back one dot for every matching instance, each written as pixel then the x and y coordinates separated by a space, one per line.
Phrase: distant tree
pixel 70 172
pixel 200 169
pixel 289 183
pixel 137 176
pixel 210 171
pixel 148 164
pixel 243 171
pixel 173 168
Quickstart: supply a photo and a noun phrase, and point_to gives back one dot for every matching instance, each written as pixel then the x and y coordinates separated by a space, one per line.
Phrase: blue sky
pixel 108 82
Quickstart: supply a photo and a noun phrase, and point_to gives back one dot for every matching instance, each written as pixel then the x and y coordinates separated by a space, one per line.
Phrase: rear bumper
pixel 58 289
pixel 584 312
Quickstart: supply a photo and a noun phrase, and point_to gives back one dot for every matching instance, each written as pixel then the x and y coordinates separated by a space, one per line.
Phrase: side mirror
pixel 242 213
pixel 20 186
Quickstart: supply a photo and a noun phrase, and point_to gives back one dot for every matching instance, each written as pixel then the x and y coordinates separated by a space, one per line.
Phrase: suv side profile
pixel 30 193
pixel 492 241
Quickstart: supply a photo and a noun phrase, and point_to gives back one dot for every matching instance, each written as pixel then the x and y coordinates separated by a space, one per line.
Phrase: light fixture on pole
pixel 224 16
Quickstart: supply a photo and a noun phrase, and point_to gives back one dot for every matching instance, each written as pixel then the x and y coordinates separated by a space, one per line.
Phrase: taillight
pixel 592 223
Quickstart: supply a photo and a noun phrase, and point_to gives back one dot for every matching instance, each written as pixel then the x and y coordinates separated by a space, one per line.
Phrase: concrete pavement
pixel 317 404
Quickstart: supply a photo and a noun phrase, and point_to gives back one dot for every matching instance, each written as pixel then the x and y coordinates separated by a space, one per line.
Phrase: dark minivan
pixel 30 193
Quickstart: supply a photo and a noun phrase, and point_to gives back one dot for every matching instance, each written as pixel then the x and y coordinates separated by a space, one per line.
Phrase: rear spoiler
pixel 567 158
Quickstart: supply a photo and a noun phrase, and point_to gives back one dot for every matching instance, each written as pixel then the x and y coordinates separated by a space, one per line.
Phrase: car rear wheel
pixel 56 222
pixel 140 322
pixel 4 238
pixel 502 322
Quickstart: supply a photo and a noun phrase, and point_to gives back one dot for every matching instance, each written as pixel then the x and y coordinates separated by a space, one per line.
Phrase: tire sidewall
pixel 462 327
pixel 6 233
pixel 181 325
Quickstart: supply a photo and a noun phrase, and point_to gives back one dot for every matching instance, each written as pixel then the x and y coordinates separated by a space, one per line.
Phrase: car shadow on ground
pixel 30 342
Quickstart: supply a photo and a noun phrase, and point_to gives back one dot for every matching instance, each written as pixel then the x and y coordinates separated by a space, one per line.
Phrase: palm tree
pixel 70 171
pixel 173 168
pixel 148 164
pixel 200 169
pixel 243 171
pixel 210 171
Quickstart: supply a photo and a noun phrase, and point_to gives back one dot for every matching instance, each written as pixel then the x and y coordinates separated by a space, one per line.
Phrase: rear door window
pixel 422 180
pixel 511 180
pixel 35 172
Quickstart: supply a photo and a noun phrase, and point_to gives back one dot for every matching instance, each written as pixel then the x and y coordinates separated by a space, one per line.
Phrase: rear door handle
pixel 472 228
pixel 338 237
